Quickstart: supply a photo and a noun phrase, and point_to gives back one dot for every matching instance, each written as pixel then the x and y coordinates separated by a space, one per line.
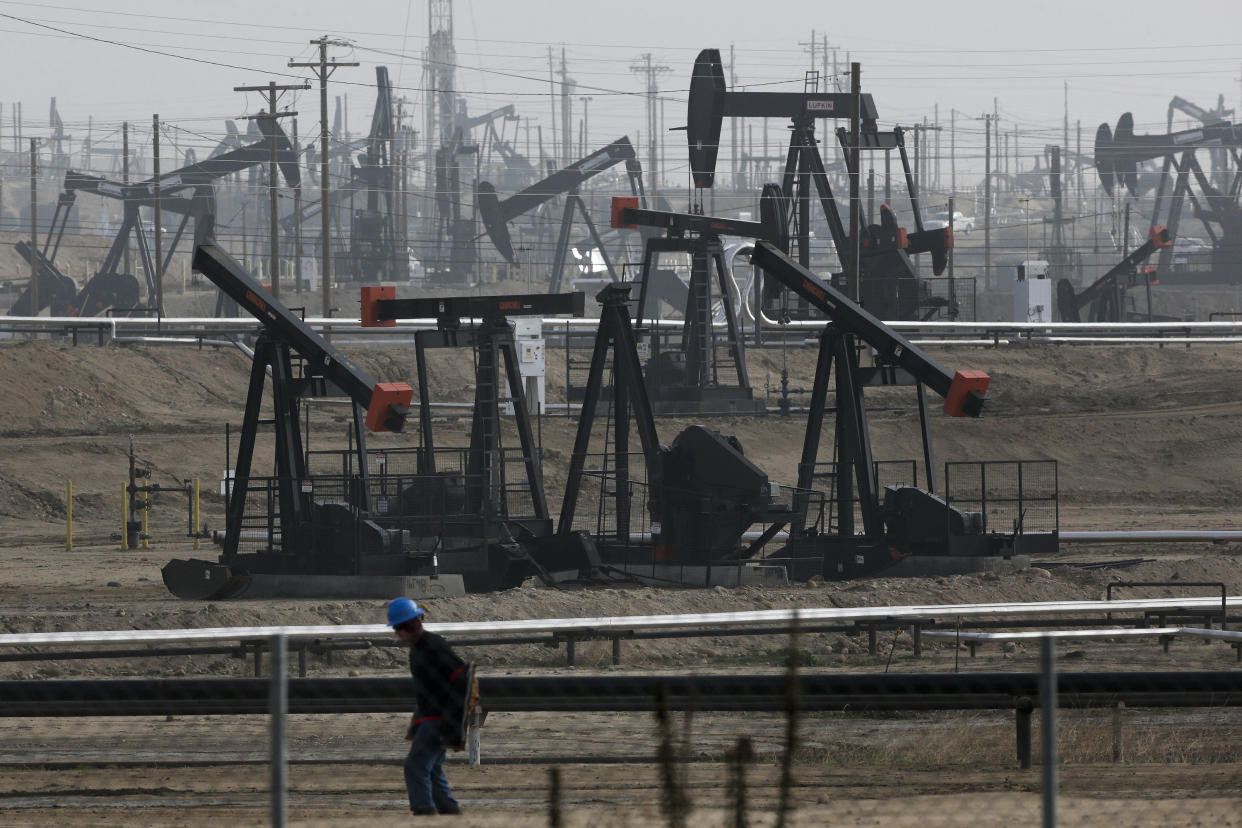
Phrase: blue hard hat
pixel 401 610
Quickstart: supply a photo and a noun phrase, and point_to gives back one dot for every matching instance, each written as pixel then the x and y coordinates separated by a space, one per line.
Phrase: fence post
pixel 474 738
pixel 69 516
pixel 1022 719
pixel 197 514
pixel 279 705
pixel 1118 745
pixel 124 518
pixel 1048 728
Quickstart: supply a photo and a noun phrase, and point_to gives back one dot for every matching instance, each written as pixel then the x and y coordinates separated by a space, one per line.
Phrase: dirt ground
pixel 1144 438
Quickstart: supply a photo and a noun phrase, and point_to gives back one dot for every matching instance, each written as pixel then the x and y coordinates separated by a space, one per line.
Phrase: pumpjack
pixel 497 214
pixel 304 534
pixel 351 531
pixel 707 371
pixel 484 522
pixel 889 284
pixel 697 497
pixel 1105 297
pixel 903 521
pixel 1208 117
pixel 1119 152
pixel 187 192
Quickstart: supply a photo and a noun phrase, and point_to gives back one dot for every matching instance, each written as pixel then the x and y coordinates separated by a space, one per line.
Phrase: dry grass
pixel 1085 737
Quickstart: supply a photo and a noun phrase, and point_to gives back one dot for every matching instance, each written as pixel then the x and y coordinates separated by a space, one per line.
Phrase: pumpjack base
pixel 199 580
pixel 839 563
pixel 708 406
pixel 354 586
pixel 724 574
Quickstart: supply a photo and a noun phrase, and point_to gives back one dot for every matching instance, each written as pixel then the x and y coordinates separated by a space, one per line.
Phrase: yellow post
pixel 69 516
pixel 124 518
pixel 146 510
pixel 197 517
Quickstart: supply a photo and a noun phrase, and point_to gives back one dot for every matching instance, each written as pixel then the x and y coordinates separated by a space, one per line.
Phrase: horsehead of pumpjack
pixel 1118 152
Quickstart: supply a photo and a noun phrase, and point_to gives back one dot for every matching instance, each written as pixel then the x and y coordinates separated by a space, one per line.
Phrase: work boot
pixel 454 810
pixel 424 812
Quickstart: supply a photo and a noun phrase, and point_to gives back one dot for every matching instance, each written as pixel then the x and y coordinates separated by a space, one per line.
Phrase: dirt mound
pixel 1144 437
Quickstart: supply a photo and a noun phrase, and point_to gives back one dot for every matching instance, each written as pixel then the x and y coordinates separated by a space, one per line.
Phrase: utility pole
pixel 125 179
pixel 852 277
pixel 823 57
pixel 34 227
pixel 1017 167
pixel 888 176
pixel 810 46
pixel 567 131
pixel 1078 167
pixel 1065 139
pixel 586 126
pixel 645 67
pixel 273 116
pixel 159 247
pixel 734 138
pixel 323 70
pixel 922 169
pixel 552 103
pixel 952 153
pixel 297 214
pixel 918 184
pixel 987 199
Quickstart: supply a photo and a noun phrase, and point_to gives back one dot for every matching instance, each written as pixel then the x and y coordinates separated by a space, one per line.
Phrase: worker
pixel 442 697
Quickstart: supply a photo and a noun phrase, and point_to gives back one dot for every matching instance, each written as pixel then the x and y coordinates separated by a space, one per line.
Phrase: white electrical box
pixel 1032 292
pixel 528 337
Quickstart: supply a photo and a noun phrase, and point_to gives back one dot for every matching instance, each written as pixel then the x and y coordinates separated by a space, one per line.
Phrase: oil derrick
pixel 372 236
pixel 452 246
pixel 59 154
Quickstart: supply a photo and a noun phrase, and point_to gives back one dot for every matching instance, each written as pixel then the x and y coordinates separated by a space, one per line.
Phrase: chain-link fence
pixel 807 725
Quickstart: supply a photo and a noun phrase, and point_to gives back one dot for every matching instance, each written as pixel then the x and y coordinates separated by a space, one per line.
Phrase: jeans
pixel 424 770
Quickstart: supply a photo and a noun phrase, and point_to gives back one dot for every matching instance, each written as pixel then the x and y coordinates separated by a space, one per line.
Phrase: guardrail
pixel 631 623
pixel 990 333
pixel 1164 634
pixel 242 641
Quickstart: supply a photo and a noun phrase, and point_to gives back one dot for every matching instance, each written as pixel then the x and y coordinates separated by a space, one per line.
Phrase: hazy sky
pixel 915 55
